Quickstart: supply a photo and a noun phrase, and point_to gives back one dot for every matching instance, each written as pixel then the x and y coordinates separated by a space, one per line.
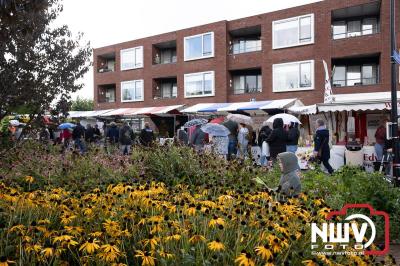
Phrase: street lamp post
pixel 394 115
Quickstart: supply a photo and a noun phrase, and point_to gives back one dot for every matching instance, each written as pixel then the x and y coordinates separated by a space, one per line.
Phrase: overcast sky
pixel 106 22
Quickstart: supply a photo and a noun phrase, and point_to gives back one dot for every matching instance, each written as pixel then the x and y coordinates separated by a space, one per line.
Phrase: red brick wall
pixel 324 47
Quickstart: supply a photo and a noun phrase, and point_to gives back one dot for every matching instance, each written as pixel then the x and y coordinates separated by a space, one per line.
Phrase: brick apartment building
pixel 275 55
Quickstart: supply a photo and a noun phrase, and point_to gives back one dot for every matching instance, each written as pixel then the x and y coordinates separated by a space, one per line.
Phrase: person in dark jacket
pixel 198 138
pixel 77 135
pixel 146 135
pixel 125 138
pixel 232 146
pixel 277 139
pixel 89 134
pixel 113 133
pixel 293 137
pixel 321 144
pixel 96 132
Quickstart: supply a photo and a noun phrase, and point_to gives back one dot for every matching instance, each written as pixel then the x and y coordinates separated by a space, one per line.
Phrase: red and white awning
pixel 159 110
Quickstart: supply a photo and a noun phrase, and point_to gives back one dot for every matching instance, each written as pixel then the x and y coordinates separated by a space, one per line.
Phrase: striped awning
pixel 144 111
pixel 241 106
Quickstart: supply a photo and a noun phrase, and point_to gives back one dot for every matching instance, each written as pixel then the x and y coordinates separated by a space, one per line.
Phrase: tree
pixel 39 62
pixel 82 105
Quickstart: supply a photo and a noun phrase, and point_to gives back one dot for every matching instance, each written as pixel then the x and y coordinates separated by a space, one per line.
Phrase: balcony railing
pixel 245 47
pixel 355 82
pixel 350 34
pixel 160 61
pixel 246 90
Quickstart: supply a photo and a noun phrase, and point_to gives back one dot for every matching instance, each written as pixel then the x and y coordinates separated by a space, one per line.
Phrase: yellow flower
pixel 29 179
pixel 109 252
pixel 216 245
pixel 5 262
pixel 152 241
pixel 67 218
pixel 244 259
pixel 90 246
pixel 146 256
pixel 216 221
pixel 173 237
pixel 309 263
pixel 264 252
pixel 197 238
pixel 47 252
pixel 35 248
pixel 65 240
pixel 165 255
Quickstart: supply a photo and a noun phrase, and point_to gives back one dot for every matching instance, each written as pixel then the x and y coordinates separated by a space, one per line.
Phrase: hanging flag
pixel 328 96
pixel 396 57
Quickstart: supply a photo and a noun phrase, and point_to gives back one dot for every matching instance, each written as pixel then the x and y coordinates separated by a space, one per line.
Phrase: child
pixel 290 181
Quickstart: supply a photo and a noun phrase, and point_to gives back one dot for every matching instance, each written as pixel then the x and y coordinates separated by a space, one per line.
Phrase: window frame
pixel 134 98
pixel 185 58
pixel 135 64
pixel 346 67
pixel 298 18
pixel 299 88
pixel 199 73
pixel 362 24
pixel 258 82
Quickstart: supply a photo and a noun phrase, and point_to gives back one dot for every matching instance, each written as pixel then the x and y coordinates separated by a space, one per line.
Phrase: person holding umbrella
pixel 232 145
pixel 219 138
pixel 277 139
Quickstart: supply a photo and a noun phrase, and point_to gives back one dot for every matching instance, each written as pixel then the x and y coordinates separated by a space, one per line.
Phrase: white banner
pixel 328 96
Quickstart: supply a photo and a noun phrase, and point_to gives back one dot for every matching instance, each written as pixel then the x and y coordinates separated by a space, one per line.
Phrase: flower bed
pixel 164 206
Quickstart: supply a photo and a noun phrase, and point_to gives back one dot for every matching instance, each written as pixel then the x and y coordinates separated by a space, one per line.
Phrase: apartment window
pixel 355 27
pixel 199 84
pixel 199 46
pixel 293 76
pixel 355 75
pixel 106 94
pixel 169 90
pixel 245 45
pixel 132 91
pixel 168 56
pixel 248 83
pixel 293 31
pixel 132 58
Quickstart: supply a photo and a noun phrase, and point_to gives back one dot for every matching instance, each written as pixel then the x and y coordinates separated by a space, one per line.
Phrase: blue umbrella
pixel 195 122
pixel 66 125
pixel 216 130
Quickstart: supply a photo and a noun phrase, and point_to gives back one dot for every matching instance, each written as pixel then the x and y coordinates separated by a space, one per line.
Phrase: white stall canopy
pixel 358 102
pixel 251 107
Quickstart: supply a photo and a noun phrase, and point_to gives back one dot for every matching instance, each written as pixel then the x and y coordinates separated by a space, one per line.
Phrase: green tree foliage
pixel 81 104
pixel 39 61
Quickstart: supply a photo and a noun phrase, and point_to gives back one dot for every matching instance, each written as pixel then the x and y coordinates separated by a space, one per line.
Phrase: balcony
pixel 106 63
pixel 106 93
pixel 358 71
pixel 245 40
pixel 165 88
pixel 246 81
pixel 164 53
pixel 356 21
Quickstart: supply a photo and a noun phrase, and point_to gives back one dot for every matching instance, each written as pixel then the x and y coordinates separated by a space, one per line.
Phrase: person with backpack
pixel 113 133
pixel 293 137
pixel 146 135
pixel 125 138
